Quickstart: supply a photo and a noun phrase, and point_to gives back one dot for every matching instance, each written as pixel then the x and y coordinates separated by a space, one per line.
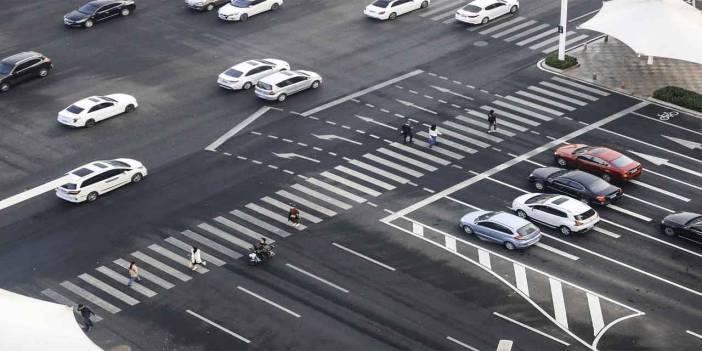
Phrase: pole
pixel 562 30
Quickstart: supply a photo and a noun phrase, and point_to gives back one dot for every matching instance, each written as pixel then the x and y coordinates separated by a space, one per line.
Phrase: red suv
pixel 607 163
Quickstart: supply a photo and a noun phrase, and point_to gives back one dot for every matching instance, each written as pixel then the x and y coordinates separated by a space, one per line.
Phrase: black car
pixel 577 184
pixel 687 224
pixel 98 10
pixel 22 67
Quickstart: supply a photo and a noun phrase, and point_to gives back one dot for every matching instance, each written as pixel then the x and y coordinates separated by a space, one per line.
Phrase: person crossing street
pixel 406 132
pixel 86 313
pixel 433 134
pixel 133 273
pixel 294 215
pixel 492 121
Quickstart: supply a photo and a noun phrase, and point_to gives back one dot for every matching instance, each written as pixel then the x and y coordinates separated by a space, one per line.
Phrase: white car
pixel 390 9
pixel 87 112
pixel 558 211
pixel 246 74
pixel 280 85
pixel 87 182
pixel 484 11
pixel 241 10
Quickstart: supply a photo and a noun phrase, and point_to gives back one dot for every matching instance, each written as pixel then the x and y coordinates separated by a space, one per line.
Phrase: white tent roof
pixel 30 324
pixel 662 28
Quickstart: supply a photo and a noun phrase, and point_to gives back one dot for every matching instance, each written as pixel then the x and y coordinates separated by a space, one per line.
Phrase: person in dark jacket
pixel 86 313
pixel 492 120
pixel 406 132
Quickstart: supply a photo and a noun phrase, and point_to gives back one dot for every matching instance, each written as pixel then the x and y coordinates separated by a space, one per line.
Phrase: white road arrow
pixel 331 136
pixel 658 161
pixel 292 155
pixel 407 103
pixel 370 120
pixel 686 143
pixel 449 91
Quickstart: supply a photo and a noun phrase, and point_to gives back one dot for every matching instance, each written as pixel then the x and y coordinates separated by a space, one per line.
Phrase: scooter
pixel 259 256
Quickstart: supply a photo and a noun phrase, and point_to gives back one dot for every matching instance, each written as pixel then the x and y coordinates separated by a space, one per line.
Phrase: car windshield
pixel 264 86
pixel 484 216
pixel 381 3
pixel 585 215
pixel 697 221
pixel 598 186
pixel 5 68
pixel 621 161
pixel 241 3
pixel 75 109
pixel 558 173
pixel 233 73
pixel 539 199
pixel 527 230
pixel 88 8
pixel 472 8
pixel 582 150
pixel 69 186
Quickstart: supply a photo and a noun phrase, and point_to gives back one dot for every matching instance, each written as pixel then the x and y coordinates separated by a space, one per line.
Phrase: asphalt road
pixel 379 262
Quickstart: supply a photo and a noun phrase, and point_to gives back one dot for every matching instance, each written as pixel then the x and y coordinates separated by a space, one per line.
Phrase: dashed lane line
pixel 471 348
pixel 531 328
pixel 276 305
pixel 218 326
pixel 335 286
pixel 381 264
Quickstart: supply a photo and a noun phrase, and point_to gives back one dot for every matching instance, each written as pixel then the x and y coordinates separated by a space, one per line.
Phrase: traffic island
pixel 553 61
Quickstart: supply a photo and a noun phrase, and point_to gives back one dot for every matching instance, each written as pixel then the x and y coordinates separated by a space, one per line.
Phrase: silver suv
pixel 279 85
pixel 502 228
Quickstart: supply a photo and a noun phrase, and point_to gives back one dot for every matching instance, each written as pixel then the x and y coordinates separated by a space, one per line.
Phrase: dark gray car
pixel 513 232
pixel 687 224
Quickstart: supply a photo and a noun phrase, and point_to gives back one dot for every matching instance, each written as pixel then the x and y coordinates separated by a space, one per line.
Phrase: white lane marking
pixel 471 348
pixel 484 258
pixel 244 230
pixel 422 154
pixel 652 237
pixel 537 37
pixel 351 184
pixel 534 105
pixel 530 328
pixel 545 100
pixel 593 303
pixel 108 289
pixel 306 203
pixel 583 15
pixel 38 190
pixel 688 144
pixel 66 301
pixel 393 165
pixel 364 256
pixel 321 196
pixel 505 345
pixel 503 113
pixel 649 203
pixel 428 190
pixel 417 228
pixel 253 220
pixel 569 91
pixel 694 334
pixel 224 235
pixel 557 251
pixel 580 86
pixel 221 140
pixel 286 207
pixel 336 190
pixel 630 213
pixel 548 41
pixel 361 92
pixel 483 124
pixel 450 143
pixel 278 306
pixel 161 266
pixel 501 25
pixel 450 243
pixel 526 32
pixel 460 136
pixel 437 149
pixel 567 43
pixel 406 159
pixel 318 278
pixel 219 326
pixel 557 96
pixel 435 9
pixel 501 182
pixel 473 131
pixel 90 297
pixel 606 232
pixel 122 279
pixel 657 189
pixel 183 261
pixel 482 116
pixel 659 161
pixel 674 179
pixel 146 274
pixel 521 110
pixel 186 247
pixel 513 29
pixel 521 278
pixel 272 215
pixel 559 309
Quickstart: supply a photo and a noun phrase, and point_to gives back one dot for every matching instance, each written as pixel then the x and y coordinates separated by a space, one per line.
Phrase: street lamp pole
pixel 562 30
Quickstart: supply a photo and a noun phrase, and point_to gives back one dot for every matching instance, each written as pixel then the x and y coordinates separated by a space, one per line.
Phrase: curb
pixel 671 105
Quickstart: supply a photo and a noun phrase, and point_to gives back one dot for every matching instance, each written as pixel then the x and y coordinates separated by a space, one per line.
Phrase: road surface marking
pixel 688 143
pixel 162 266
pixel 255 221
pixel 471 348
pixel 580 86
pixel 364 256
pixel 567 43
pixel 336 190
pixel 673 179
pixel 350 184
pixel 527 32
pixel 472 131
pixel 88 296
pixel 534 105
pixel 501 25
pixel 393 165
pixel 320 196
pixel 530 328
pixel 583 15
pixel 379 171
pixel 521 278
pixel 505 345
pixel 365 177
pixel 557 251
pixel 606 232
pixel 66 301
pixel 521 110
pixel 569 91
pixel 649 203
pixel 513 29
pixel 221 140
pixel 657 189
pixel 450 244
pixel 108 289
pixel 537 37
pixel 484 258
pixel 417 228
pixel 459 136
pixel 593 303
pixel 485 125
pixel 219 326
pixel 244 230
pixel 502 113
pixel 224 235
pixel 546 100
pixel 38 190
pixel 144 274
pixel 557 96
pixel 306 203
pixel 449 143
pixel 406 159
pixel 122 279
pixel 694 334
pixel 316 277
pixel 421 154
pixel 284 309
pixel 187 248
pixel 630 213
pixel 180 259
pixel 652 238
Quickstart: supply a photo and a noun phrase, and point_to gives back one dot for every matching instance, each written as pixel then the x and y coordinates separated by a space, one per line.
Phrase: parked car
pixel 607 163
pixel 577 184
pixel 280 85
pixel 21 67
pixel 686 224
pixel 241 10
pixel 246 74
pixel 390 9
pixel 557 211
pixel 502 228
pixel 98 10
pixel 88 111
pixel 484 11
pixel 87 182
pixel 204 5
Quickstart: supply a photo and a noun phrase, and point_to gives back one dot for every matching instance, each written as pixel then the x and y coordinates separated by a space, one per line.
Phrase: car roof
pixel 280 76
pixel 21 56
pixel 568 204
pixel 580 177
pixel 509 220
pixel 604 153
pixel 483 3
pixel 89 169
pixel 89 102
pixel 102 2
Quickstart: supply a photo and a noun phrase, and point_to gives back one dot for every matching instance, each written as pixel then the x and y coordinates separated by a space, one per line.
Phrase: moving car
pixel 687 224
pixel 390 9
pixel 502 228
pixel 246 74
pixel 87 182
pixel 98 10
pixel 577 184
pixel 241 10
pixel 21 67
pixel 484 11
pixel 204 5
pixel 558 211
pixel 87 112
pixel 607 163
pixel 279 85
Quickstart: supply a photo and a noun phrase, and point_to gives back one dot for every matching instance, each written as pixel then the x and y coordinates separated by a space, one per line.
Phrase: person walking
pixel 86 313
pixel 133 273
pixel 196 259
pixel 433 134
pixel 294 215
pixel 492 120
pixel 406 132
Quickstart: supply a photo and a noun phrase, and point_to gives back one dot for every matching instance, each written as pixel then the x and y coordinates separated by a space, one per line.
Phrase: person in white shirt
pixel 196 259
pixel 433 134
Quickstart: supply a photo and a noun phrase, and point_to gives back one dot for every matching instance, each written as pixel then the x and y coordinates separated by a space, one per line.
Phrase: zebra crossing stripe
pixel 593 303
pixel 504 113
pixel 568 42
pixel 272 215
pixel 241 229
pixel 304 202
pixel 350 184
pixel 211 244
pixel 175 257
pixel 501 25
pixel 557 96
pixel 255 221
pixel 521 278
pixel 379 171
pixel 162 266
pixel 422 154
pixel 336 190
pixel 527 32
pixel 484 258
pixel 393 165
pixel 533 105
pixel 285 207
pixel 186 247
pixel 545 100
pixel 449 143
pixel 365 177
pixel 559 309
pixel 549 41
pixel 65 301
pixel 522 110
pixel 507 124
pixel 485 125
pixel 443 15
pixel 473 131
pixel 90 297
pixel 406 159
pixel 580 86
pixel 122 279
pixel 537 37
pixel 569 91
pixel 439 8
pixel 320 196
pixel 437 149
pixel 462 137
pixel 108 289
pixel 513 29
pixel 145 274
pixel 224 235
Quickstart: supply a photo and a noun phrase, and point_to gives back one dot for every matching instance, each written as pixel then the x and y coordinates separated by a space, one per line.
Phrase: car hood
pixel 680 218
pixel 471 216
pixel 193 2
pixel 228 9
pixel 75 15
pixel 545 172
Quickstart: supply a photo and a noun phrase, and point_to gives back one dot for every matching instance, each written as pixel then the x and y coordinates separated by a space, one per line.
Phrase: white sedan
pixel 89 181
pixel 557 211
pixel 390 9
pixel 241 10
pixel 246 74
pixel 484 11
pixel 87 112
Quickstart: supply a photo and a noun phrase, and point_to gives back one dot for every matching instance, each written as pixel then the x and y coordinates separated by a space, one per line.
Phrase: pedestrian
pixel 492 120
pixel 133 273
pixel 195 258
pixel 86 312
pixel 294 215
pixel 433 134
pixel 406 132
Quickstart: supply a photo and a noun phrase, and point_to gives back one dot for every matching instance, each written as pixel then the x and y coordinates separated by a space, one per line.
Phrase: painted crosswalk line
pixel 521 278
pixel 393 165
pixel 463 138
pixel 512 116
pixel 593 302
pixel 549 41
pixel 568 43
pixel 58 298
pixel 145 274
pixel 378 171
pixel 225 235
pixel 527 32
pixel 122 279
pixel 406 159
pixel 242 229
pixel 546 100
pixel 503 123
pixel 90 297
pixel 273 215
pixel 557 96
pixel 569 91
pixel 180 259
pixel 472 131
pixel 500 131
pixel 580 86
pixel 551 31
pixel 328 199
pixel 161 266
pixel 365 177
pixel 437 149
pixel 350 184
pixel 501 25
pixel 306 203
pixel 533 105
pixel 421 154
pixel 211 244
pixel 559 309
pixel 522 110
pixel 514 29
pixel 286 207
pixel 187 248
pixel 450 143
pixel 108 289
pixel 335 190
pixel 255 221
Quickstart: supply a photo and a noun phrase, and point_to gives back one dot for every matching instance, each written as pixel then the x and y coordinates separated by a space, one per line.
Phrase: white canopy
pixel 30 324
pixel 662 28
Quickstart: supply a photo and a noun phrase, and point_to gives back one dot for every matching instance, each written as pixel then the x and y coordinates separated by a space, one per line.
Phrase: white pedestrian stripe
pixel 304 202
pixel 285 207
pixel 450 243
pixel 537 37
pixel 162 266
pixel 527 32
pixel 533 105
pixel 180 259
pixel 545 100
pixel 461 137
pixel 66 301
pixel 630 213
pixel 593 302
pixel 421 154
pixel 122 279
pixel 484 258
pixel 272 215
pixel 393 165
pixel 513 29
pixel 558 302
pixel 557 96
pixel 580 86
pixel 568 42
pixel 485 125
pixel 320 196
pixel 144 274
pixel 297 315
pixel 316 277
pixel 436 9
pixel 90 297
pixel 472 131
pixel 503 113
pixel 108 289
pixel 450 12
pixel 437 149
pixel 255 221
pixel 557 251
pixel 449 143
pixel 336 190
pixel 365 177
pixel 501 25
pixel 243 230
pixel 549 41
pixel 378 171
pixel 521 110
pixel 521 278
pixel 483 116
pixel 569 91
pixel 406 159
pixel 187 248
pixel 211 244
pixel 417 229
pixel 224 235
pixel 657 189
pixel 350 184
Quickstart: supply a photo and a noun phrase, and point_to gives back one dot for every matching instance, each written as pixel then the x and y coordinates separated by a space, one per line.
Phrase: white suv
pixel 278 86
pixel 246 74
pixel 85 183
pixel 557 211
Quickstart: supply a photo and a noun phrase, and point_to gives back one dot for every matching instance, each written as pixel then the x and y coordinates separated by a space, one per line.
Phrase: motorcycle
pixel 258 255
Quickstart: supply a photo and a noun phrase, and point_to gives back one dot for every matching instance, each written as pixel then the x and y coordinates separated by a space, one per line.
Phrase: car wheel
pixel 424 4
pixel 514 9
pixel 522 214
pixel 243 17
pixel 92 196
pixel 282 97
pixel 247 86
pixel 137 177
pixel 668 231
pixel 315 84
pixel 565 230
pixel 89 23
pixel 485 20
pixel 467 230
pixel 210 7
pixel 539 186
pixel 129 108
pixel 392 16
pixel 275 6
pixel 509 245
pixel 90 123
pixel 43 72
pixel 4 86
pixel 561 162
pixel 125 12
pixel 607 177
